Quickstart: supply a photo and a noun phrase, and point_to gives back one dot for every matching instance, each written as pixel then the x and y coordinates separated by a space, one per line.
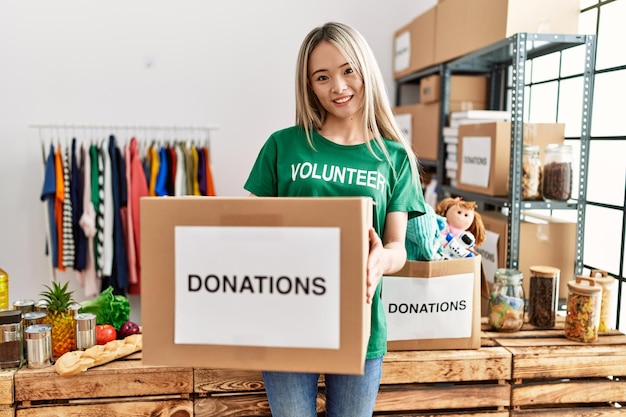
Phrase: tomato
pixel 105 333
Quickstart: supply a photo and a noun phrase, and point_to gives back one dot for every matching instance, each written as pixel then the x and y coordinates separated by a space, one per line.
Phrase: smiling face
pixel 459 217
pixel 334 82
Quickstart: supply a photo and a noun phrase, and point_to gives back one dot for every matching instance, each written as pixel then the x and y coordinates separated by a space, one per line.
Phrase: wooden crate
pixel 120 388
pixel 554 376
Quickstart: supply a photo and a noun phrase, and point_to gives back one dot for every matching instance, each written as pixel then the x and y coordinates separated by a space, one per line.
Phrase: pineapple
pixel 61 317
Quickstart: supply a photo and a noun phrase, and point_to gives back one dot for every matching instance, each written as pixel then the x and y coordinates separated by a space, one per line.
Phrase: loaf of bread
pixel 75 362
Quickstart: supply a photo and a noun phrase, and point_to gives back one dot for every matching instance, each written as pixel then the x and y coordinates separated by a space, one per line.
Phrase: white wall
pixel 228 63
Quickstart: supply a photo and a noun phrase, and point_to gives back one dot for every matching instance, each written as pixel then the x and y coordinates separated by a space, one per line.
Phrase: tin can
pixel 28 319
pixel 85 330
pixel 39 345
pixel 26 306
pixel 41 305
pixel 75 307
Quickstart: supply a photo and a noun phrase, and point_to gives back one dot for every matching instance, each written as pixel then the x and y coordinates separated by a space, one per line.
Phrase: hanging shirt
pixel 180 180
pixel 138 188
pixel 201 172
pixel 76 195
pixel 160 188
pixel 87 277
pixel 48 195
pixel 58 206
pixel 209 173
pixel 68 217
pixel 107 236
pixel 97 198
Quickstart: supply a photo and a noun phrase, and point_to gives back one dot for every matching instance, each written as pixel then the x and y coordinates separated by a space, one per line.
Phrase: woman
pixel 345 127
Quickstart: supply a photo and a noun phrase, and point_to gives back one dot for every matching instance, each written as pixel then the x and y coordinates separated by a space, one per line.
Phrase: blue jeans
pixel 294 394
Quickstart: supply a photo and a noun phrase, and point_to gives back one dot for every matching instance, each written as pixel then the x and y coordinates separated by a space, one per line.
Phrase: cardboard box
pixel 420 123
pixel 484 153
pixel 414 45
pixel 463 26
pixel 463 88
pixel 434 305
pixel 543 241
pixel 231 283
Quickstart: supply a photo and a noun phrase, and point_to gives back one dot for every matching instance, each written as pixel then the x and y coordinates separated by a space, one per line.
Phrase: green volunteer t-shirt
pixel 287 166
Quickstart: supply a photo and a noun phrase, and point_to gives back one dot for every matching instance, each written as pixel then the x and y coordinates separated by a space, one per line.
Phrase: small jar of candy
pixel 506 301
pixel 582 319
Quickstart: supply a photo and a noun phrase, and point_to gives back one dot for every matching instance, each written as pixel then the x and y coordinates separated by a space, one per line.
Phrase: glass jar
pixel 543 296
pixel 531 173
pixel 10 339
pixel 609 299
pixel 506 301
pixel 556 182
pixel 583 310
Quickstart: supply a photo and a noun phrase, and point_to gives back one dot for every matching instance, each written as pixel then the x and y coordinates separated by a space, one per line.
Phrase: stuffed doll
pixel 460 228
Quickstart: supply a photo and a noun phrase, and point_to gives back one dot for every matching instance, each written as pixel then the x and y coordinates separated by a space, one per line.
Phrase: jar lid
pixel 37 331
pixel 531 148
pixel 584 285
pixel 24 303
pixel 34 315
pixel 510 275
pixel 556 147
pixel 544 271
pixel 10 316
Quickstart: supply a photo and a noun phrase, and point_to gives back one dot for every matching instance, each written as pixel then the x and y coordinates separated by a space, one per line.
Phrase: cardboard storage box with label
pixel 420 123
pixel 463 26
pixel 543 241
pixel 414 45
pixel 484 151
pixel 434 305
pixel 255 283
pixel 463 88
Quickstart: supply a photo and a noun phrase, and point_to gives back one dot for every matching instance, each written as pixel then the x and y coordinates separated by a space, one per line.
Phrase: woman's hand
pixel 375 268
pixel 386 255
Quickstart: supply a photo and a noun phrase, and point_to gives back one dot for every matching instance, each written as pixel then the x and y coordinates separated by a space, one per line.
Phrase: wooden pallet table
pixel 6 394
pixel 553 376
pixel 123 387
pixel 449 383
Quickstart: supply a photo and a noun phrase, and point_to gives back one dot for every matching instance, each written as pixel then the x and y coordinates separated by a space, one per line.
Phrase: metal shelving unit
pixel 495 61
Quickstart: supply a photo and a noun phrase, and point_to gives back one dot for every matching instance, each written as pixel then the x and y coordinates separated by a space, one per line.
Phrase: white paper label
pixel 403 51
pixel 489 253
pixel 257 286
pixel 429 308
pixel 476 161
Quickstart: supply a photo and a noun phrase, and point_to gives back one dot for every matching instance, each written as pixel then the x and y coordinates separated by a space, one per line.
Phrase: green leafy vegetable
pixel 108 308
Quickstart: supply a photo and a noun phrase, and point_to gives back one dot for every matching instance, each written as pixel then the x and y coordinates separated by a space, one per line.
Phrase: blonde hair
pixel 377 116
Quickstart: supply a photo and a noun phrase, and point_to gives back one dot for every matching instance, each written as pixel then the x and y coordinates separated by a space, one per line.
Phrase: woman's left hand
pixel 375 264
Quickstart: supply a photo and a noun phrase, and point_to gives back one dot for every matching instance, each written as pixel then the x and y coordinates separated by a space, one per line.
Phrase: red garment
pixel 127 225
pixel 138 187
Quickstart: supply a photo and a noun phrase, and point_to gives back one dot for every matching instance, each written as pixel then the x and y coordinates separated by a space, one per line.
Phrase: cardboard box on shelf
pixel 543 241
pixel 464 26
pixel 230 283
pixel 434 305
pixel 463 88
pixel 414 45
pixel 484 151
pixel 420 123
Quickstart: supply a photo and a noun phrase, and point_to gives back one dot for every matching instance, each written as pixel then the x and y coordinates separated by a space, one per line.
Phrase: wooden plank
pixel 248 405
pixel 6 387
pixel 116 379
pixel 484 364
pixel 226 380
pixel 602 390
pixel 7 412
pixel 443 396
pixel 135 408
pixel 449 414
pixel 568 361
pixel 558 341
pixel 597 411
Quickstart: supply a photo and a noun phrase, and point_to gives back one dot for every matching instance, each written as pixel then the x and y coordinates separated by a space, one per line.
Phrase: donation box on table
pixel 251 283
